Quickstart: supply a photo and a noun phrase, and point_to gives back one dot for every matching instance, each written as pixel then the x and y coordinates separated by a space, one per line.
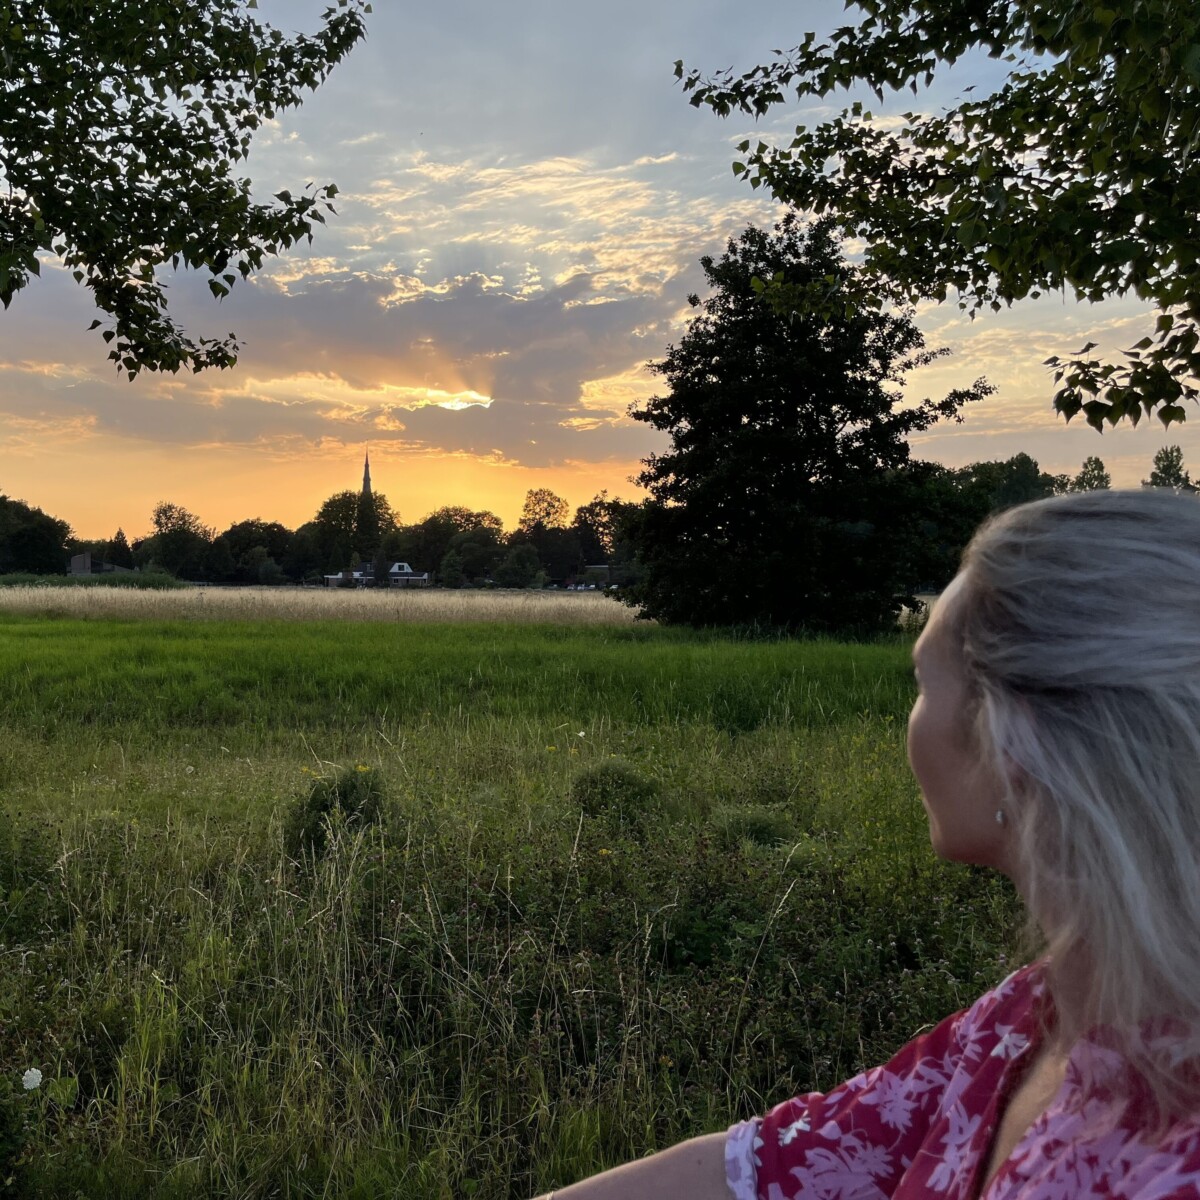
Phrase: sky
pixel 525 195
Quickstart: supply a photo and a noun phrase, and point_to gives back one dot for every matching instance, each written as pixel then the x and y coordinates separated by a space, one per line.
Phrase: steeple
pixel 366 491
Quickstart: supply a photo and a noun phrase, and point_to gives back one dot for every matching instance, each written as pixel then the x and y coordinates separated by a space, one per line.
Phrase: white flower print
pixel 955 1158
pixel 913 1129
pixel 1011 1042
pixel 788 1133
pixel 893 1096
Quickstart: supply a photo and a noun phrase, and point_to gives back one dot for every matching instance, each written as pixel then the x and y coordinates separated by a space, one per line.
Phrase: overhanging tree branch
pixel 121 128
pixel 1079 173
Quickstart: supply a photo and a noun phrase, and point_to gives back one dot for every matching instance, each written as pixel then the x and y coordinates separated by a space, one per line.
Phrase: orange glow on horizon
pixel 99 485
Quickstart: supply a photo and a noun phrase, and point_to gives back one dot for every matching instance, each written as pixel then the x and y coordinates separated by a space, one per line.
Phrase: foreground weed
pixel 351 797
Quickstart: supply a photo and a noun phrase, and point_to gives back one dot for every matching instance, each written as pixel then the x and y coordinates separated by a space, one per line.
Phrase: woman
pixel 1056 738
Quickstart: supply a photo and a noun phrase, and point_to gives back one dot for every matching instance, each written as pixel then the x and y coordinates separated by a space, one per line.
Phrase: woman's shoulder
pixel 1006 1015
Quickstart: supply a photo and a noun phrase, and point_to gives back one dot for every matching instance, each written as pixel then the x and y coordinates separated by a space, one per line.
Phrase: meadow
pixel 102 599
pixel 581 890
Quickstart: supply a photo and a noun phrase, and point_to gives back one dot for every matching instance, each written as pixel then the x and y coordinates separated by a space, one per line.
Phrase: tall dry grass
pixel 319 604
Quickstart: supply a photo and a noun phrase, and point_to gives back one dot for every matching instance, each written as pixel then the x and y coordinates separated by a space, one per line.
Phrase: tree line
pixel 456 545
pixel 461 547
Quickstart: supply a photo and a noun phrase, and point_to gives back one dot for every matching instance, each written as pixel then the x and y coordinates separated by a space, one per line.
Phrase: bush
pixel 354 796
pixel 754 823
pixel 150 580
pixel 616 790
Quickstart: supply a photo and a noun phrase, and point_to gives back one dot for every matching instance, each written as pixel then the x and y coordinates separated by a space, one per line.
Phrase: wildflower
pixel 573 750
pixel 581 733
pixel 551 749
pixel 189 770
pixel 361 769
pixel 32 1079
pixel 604 852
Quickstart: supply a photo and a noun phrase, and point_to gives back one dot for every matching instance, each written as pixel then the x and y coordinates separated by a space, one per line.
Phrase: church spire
pixel 367 474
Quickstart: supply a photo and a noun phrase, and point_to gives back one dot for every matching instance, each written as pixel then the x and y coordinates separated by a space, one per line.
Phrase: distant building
pixel 399 575
pixel 402 575
pixel 85 564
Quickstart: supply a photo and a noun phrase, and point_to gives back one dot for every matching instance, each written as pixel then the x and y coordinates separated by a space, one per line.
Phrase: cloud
pixel 501 329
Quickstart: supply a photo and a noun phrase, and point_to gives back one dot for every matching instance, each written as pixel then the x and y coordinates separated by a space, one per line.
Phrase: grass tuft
pixel 617 791
pixel 350 799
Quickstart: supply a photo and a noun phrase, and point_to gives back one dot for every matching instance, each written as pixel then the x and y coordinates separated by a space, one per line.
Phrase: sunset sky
pixel 525 193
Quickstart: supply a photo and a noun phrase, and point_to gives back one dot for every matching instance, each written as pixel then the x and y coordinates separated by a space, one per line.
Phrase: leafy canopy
pixel 786 496
pixel 121 128
pixel 31 540
pixel 1093 476
pixel 1078 173
pixel 1169 472
pixel 543 508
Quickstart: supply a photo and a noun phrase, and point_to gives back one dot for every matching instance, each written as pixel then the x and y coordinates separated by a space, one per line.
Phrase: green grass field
pixel 625 885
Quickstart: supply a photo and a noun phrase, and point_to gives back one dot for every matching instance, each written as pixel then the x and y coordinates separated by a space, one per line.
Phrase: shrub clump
pixel 353 797
pixel 759 824
pixel 617 791
pixel 147 580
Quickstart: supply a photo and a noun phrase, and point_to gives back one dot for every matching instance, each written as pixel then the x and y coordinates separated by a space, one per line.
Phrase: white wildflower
pixel 32 1079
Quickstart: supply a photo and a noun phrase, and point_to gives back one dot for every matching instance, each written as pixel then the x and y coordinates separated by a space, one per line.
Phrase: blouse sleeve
pixel 860 1138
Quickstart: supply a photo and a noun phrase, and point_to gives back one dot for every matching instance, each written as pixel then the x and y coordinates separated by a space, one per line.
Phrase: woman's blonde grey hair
pixel 1080 628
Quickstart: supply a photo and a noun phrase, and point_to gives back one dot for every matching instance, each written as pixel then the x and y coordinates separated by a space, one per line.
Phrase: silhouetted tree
pixel 425 544
pixel 542 507
pixel 777 501
pixel 520 567
pixel 1168 471
pixel 179 544
pixel 31 540
pixel 119 553
pixel 367 525
pixel 480 550
pixel 245 537
pixel 1092 476
pixel 337 523
pixel 595 524
pixel 998 485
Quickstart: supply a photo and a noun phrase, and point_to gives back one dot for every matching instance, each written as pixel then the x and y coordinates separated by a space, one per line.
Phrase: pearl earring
pixel 1000 816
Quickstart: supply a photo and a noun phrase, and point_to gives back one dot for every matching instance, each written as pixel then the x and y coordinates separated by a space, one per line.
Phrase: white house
pixel 402 575
pixel 399 575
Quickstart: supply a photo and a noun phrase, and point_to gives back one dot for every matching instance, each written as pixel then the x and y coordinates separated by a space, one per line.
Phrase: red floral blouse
pixel 922 1125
